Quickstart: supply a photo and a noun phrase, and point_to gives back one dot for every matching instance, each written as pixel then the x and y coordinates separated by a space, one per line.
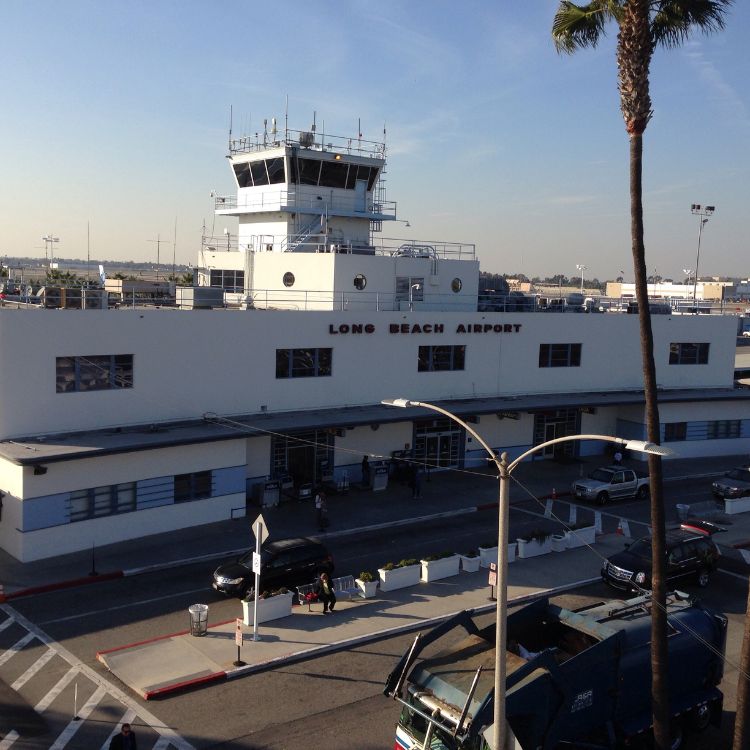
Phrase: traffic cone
pixel 619 528
pixel 554 494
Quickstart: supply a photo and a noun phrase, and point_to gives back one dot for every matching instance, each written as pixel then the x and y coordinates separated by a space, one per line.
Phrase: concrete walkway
pixel 170 663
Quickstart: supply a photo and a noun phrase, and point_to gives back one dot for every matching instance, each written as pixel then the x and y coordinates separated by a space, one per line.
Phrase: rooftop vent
pixel 306 139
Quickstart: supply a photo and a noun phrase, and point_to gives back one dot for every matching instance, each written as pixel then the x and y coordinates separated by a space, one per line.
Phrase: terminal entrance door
pixel 437 443
pixel 549 425
pixel 301 454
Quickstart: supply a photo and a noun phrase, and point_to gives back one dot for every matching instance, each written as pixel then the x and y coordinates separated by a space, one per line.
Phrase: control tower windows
pixel 332 174
pixel 309 171
pixel 263 172
pixel 260 176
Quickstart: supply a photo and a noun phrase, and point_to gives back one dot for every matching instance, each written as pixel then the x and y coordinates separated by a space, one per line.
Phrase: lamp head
pixel 643 446
pixel 402 402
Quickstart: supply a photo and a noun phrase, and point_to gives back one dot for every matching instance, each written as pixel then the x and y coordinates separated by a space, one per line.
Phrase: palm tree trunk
pixel 659 654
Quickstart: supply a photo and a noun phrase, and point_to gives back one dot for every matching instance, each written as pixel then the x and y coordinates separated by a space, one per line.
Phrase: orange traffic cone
pixel 619 528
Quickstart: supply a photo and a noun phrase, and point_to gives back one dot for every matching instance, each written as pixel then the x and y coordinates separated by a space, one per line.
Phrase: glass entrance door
pixel 550 425
pixel 437 444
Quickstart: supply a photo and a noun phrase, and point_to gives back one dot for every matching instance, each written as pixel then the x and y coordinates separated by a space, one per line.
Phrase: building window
pixel 303 363
pixel 231 281
pixel 722 429
pixel 288 279
pixel 688 354
pixel 360 281
pixel 409 288
pixel 94 373
pixel 559 355
pixel 441 358
pixel 457 285
pixel 195 486
pixel 675 431
pixel 95 502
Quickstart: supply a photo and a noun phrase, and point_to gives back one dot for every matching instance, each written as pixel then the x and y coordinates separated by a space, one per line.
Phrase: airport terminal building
pixel 120 423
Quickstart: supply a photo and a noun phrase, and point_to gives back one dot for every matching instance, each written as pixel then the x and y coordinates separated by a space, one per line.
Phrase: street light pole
pixel 504 471
pixel 704 212
pixel 581 268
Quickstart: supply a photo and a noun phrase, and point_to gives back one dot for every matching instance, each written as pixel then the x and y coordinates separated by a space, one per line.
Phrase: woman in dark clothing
pixel 324 589
pixel 124 739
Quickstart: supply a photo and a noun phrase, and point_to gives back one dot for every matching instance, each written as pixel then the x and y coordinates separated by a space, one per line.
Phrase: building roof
pixel 40 449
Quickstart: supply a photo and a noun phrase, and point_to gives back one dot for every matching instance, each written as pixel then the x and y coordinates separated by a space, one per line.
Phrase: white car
pixel 746 334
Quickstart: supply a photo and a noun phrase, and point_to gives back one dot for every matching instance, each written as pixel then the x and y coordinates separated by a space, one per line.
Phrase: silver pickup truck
pixel 611 483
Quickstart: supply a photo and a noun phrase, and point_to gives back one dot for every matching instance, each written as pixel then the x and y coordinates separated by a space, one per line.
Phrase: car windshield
pixel 602 475
pixel 641 548
pixel 742 474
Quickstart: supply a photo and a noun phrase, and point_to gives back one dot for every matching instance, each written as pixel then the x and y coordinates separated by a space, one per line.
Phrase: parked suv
pixel 287 562
pixel 690 553
pixel 735 483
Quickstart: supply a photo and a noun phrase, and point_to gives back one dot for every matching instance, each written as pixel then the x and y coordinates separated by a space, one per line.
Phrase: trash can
pixel 198 619
pixel 682 512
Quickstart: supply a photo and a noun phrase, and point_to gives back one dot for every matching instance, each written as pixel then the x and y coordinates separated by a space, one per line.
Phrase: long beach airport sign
pixel 336 329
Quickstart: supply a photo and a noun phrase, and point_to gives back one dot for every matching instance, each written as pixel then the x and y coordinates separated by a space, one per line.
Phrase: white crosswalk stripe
pixel 77 722
pixel 167 738
pixel 33 669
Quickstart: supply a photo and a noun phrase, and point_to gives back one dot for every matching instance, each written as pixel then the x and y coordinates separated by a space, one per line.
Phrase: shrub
pixel 388 566
pixel 471 553
pixel 407 561
pixel 537 535
pixel 366 577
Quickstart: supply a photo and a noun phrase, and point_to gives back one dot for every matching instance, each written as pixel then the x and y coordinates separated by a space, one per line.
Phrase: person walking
pixel 365 473
pixel 322 511
pixel 416 482
pixel 124 739
pixel 324 590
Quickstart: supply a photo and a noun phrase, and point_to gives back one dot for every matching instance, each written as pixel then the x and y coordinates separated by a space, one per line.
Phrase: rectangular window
pixel 722 429
pixel 559 355
pixel 195 486
pixel 675 431
pixel 232 281
pixel 303 363
pixel 688 354
pixel 95 502
pixel 94 373
pixel 441 358
pixel 409 288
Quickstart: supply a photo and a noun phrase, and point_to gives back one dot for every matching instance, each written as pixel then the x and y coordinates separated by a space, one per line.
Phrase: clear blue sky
pixel 116 113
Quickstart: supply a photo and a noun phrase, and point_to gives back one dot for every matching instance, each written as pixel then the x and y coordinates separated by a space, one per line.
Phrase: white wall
pixel 173 380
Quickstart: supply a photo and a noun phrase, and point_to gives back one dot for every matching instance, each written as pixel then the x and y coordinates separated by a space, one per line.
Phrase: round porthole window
pixel 360 282
pixel 456 285
pixel 288 279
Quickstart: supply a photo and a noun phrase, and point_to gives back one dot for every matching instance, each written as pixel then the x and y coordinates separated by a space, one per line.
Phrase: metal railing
pixel 310 140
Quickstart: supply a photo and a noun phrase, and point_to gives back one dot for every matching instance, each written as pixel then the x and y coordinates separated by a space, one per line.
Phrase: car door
pixel 617 484
pixel 277 572
pixel 678 562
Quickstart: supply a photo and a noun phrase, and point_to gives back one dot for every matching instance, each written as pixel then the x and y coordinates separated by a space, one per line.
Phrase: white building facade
pixel 115 424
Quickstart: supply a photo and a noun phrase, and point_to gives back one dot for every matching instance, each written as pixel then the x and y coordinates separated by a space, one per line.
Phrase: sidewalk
pixel 169 663
pixel 445 494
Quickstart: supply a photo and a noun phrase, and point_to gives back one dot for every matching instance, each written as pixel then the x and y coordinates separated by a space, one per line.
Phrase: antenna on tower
pixel 359 127
pixel 312 129
pixel 230 127
pixel 286 118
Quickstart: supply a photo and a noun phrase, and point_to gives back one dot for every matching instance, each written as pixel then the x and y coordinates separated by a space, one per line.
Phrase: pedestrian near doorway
pixel 124 739
pixel 365 472
pixel 618 458
pixel 416 482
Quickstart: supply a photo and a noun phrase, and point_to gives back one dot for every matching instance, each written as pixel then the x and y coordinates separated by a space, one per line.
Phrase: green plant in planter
pixel 276 592
pixel 366 577
pixel 406 562
pixel 471 553
pixel 537 535
pixel 489 545
pixel 388 566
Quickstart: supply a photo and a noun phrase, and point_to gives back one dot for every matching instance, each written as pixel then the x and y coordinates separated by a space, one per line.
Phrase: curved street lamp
pixel 505 469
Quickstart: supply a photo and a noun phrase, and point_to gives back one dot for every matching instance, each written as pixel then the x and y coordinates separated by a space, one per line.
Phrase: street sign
pixel 493 574
pixel 263 528
pixel 256 563
pixel 238 633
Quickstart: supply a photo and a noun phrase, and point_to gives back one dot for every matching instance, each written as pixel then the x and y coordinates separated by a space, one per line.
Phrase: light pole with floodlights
pixel 581 268
pixel 704 212
pixel 505 469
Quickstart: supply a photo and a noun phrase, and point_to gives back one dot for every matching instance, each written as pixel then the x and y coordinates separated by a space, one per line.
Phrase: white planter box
pixel 533 548
pixel 470 564
pixel 399 578
pixel 272 608
pixel 732 506
pixel 445 567
pixel 581 537
pixel 367 589
pixel 488 555
pixel 559 542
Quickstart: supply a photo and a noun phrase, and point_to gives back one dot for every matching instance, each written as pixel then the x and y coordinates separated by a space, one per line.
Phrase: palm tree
pixel 642 26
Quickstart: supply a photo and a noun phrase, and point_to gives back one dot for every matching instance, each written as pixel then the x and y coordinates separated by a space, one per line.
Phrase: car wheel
pixel 703 577
pixel 602 498
pixel 700 717
pixel 642 493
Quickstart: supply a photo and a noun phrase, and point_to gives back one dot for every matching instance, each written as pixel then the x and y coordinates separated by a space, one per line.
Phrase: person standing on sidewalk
pixel 324 590
pixel 124 739
pixel 365 473
pixel 416 482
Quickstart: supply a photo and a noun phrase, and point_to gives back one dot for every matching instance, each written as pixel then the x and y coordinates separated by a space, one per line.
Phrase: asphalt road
pixel 334 701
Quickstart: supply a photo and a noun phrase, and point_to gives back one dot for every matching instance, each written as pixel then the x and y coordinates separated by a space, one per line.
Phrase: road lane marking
pixel 161 744
pixel 10 738
pixel 62 683
pixel 33 669
pixel 16 647
pixel 77 722
pixel 95 612
pixel 7 623
pixel 127 718
pixel 77 666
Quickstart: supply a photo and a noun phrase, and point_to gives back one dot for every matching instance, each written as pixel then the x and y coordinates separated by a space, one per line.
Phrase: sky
pixel 114 116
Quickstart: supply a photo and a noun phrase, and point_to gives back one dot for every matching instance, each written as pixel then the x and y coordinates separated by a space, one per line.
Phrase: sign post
pixel 261 534
pixel 493 581
pixel 238 640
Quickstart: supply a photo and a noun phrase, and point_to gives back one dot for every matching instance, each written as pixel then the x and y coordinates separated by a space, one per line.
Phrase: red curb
pixel 160 638
pixel 46 588
pixel 148 694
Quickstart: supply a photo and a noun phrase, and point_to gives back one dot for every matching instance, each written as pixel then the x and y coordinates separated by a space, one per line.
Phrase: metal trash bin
pixel 682 511
pixel 198 619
